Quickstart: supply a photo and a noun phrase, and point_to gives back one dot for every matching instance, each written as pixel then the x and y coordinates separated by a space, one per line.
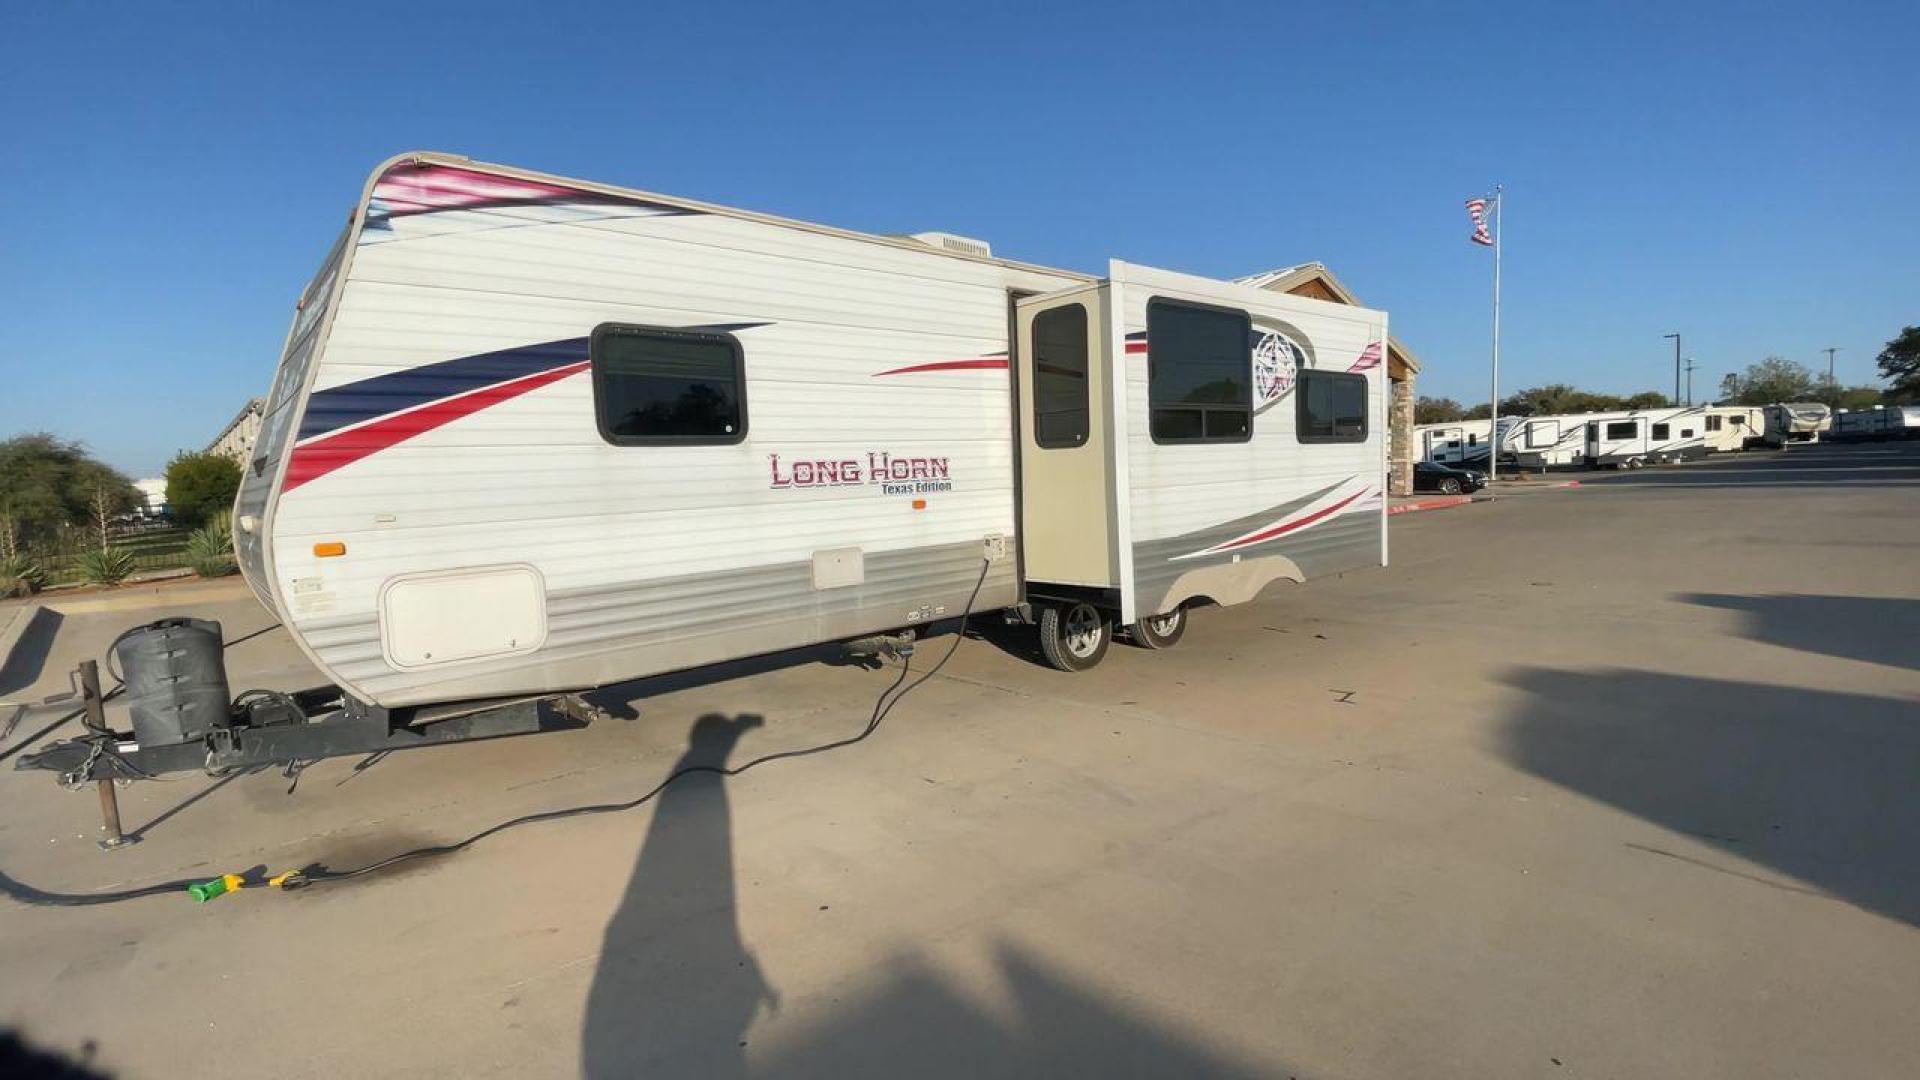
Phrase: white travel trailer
pixel 1796 422
pixel 1878 424
pixel 1731 428
pixel 533 435
pixel 1552 442
pixel 1453 442
pixel 1646 437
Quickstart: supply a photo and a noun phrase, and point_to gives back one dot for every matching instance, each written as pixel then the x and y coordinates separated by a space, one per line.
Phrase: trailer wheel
pixel 1075 636
pixel 1159 631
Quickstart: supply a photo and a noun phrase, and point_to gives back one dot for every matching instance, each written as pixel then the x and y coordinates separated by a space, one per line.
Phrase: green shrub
pixel 200 485
pixel 105 566
pixel 210 547
pixel 19 576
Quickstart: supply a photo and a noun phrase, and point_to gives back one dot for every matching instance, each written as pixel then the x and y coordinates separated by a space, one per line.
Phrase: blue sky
pixel 1748 174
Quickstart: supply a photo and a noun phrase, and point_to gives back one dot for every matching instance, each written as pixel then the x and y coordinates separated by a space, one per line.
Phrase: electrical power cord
pixel 321 875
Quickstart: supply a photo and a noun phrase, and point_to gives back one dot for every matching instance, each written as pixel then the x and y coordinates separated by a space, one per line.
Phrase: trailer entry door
pixel 1062 362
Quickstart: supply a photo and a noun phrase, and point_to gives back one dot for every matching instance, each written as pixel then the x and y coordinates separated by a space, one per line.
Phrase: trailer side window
pixel 662 387
pixel 1333 407
pixel 1661 431
pixel 1624 429
pixel 1060 377
pixel 1199 373
pixel 1713 423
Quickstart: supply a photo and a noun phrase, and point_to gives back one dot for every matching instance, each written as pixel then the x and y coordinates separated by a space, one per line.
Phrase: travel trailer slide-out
pixel 531 436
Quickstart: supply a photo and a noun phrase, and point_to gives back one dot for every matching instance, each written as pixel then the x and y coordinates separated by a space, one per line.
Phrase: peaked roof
pixel 1288 279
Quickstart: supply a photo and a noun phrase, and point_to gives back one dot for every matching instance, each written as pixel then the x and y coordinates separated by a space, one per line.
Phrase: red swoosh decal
pixel 1290 526
pixel 984 363
pixel 322 456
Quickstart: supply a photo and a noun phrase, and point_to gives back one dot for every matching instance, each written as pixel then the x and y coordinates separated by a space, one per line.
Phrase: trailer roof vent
pixel 962 245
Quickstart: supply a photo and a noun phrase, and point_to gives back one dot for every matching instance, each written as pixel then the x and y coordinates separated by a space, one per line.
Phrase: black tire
pixel 1074 637
pixel 1449 486
pixel 1159 631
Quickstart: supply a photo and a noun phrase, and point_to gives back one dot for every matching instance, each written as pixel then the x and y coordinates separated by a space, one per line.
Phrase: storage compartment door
pixel 1063 382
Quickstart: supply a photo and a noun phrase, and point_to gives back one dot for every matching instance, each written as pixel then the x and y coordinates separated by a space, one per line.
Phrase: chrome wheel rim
pixel 1082 630
pixel 1163 625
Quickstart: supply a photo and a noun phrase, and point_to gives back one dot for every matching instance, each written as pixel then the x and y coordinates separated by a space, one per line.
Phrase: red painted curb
pixel 1430 504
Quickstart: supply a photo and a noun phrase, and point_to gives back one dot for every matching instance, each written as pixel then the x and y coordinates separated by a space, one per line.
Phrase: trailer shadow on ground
pixel 1872 629
pixel 1813 784
pixel 28 658
pixel 677 987
pixel 622 700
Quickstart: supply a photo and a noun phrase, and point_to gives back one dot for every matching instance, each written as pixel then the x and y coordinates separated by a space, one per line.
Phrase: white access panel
pixel 453 615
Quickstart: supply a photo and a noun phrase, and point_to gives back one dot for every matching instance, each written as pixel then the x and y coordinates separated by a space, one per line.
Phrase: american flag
pixel 1477 209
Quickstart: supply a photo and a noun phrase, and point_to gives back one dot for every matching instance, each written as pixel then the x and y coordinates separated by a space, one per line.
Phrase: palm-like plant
pixel 20 576
pixel 105 566
pixel 210 547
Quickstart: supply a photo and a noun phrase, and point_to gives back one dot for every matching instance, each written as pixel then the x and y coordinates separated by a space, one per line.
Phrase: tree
pixel 1772 380
pixel 1436 410
pixel 47 482
pixel 1478 412
pixel 1851 397
pixel 1900 365
pixel 1645 399
pixel 200 485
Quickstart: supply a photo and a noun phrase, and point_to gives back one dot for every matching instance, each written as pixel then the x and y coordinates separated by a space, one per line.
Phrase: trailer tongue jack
pixel 175 681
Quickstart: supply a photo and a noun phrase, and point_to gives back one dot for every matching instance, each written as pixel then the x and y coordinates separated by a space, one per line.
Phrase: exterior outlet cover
pixel 996 547
pixel 837 568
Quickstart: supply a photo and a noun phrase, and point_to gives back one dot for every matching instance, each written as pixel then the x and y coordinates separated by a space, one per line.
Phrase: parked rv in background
pixel 1731 428
pixel 1796 422
pixel 1453 442
pixel 1878 424
pixel 1648 437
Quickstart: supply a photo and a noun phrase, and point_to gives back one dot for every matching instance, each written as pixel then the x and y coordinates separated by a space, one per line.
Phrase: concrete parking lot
pixel 1616 780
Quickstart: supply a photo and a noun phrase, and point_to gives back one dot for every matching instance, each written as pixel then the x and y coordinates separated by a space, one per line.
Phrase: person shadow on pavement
pixel 676 986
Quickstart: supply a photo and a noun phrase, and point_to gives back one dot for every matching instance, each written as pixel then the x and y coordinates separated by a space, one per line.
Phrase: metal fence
pixel 152 545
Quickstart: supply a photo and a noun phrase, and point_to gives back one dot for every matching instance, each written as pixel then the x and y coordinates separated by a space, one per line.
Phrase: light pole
pixel 1676 365
pixel 1830 352
pixel 1690 367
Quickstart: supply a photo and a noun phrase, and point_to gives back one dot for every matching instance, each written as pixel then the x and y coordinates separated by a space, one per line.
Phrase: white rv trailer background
pixel 1877 424
pixel 1647 436
pixel 1451 442
pixel 1795 422
pixel 1732 428
pixel 532 434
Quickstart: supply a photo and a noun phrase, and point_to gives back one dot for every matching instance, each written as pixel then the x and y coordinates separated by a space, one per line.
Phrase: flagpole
pixel 1493 410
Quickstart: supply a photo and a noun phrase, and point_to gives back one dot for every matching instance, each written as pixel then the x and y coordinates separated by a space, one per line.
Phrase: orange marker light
pixel 919 504
pixel 329 550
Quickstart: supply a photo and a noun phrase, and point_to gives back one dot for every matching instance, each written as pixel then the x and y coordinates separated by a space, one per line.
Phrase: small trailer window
pixel 1199 373
pixel 1623 429
pixel 1333 407
pixel 1661 431
pixel 1713 423
pixel 1060 377
pixel 663 387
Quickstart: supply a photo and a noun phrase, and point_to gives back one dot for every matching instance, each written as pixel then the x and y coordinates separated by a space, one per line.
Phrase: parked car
pixel 1433 476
